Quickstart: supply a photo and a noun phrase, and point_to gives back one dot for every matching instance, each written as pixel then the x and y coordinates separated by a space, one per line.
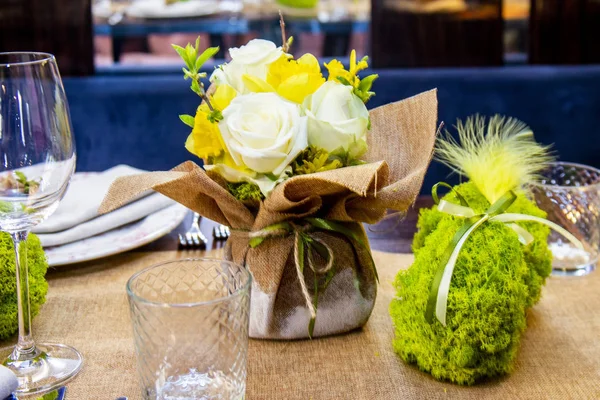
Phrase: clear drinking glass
pixel 190 325
pixel 570 194
pixel 37 159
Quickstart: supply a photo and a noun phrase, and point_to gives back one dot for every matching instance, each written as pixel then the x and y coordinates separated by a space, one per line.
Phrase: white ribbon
pixel 508 218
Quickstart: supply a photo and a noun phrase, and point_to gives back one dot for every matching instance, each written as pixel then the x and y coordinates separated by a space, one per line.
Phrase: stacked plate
pixel 76 233
pixel 161 9
pixel 158 9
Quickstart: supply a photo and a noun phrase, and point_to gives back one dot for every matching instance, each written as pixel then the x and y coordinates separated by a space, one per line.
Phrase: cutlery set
pixel 194 238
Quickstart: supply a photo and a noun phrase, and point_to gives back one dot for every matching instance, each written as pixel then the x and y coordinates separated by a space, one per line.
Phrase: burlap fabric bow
pixel 400 148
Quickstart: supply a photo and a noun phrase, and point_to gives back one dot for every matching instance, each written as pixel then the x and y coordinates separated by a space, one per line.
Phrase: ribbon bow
pixel 438 295
pixel 305 243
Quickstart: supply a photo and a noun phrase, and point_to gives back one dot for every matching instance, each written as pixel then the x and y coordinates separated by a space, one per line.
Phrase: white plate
pixel 120 239
pixel 184 9
pixel 102 9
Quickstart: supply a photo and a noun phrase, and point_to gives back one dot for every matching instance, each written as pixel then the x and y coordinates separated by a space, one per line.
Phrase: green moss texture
pixel 495 280
pixel 38 287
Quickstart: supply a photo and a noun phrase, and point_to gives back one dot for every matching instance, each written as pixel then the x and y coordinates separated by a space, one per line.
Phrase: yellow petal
pixel 223 96
pixel 294 88
pixel 205 140
pixel 352 61
pixel 256 85
pixel 310 63
pixel 361 65
pixel 334 64
pixel 278 70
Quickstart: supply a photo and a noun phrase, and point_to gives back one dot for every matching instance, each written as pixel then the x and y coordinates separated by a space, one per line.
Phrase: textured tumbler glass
pixel 570 194
pixel 190 326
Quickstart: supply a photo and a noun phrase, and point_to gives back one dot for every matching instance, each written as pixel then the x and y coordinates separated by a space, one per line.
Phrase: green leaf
pixel 215 116
pixel 272 176
pixel 187 119
pixel 367 82
pixel 196 88
pixel 205 56
pixel 197 44
pixel 21 178
pixel 343 80
pixel 181 51
pixel 185 73
pixel 320 249
pixel 190 52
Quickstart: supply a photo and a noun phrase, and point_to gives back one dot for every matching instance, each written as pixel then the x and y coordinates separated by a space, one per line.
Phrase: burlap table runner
pixel 559 358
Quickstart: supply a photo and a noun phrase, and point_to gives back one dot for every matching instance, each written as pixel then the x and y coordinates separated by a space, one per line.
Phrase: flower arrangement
pixel 271 116
pixel 294 163
pixel 481 257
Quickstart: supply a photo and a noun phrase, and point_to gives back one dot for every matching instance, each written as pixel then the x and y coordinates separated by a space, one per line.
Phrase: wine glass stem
pixel 25 342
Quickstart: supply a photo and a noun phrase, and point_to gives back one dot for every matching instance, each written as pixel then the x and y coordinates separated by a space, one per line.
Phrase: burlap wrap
pixel 400 148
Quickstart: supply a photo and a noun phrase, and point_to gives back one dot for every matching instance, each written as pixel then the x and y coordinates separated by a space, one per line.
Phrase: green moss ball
pixel 495 280
pixel 38 287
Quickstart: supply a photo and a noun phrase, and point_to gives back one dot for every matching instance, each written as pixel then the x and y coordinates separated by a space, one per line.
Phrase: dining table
pixel 559 358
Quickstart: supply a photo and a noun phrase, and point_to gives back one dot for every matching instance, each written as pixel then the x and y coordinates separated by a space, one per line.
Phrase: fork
pixel 221 232
pixel 193 238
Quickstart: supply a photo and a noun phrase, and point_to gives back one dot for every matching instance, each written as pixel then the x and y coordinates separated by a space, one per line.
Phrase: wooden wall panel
pixel 403 38
pixel 60 27
pixel 565 32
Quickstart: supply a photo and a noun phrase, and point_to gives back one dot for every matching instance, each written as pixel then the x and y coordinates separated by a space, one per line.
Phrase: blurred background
pixel 537 60
pixel 108 35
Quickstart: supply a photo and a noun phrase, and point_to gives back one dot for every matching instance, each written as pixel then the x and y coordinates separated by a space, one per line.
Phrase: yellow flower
pixel 221 98
pixel 295 79
pixel 291 79
pixel 336 70
pixel 362 87
pixel 205 141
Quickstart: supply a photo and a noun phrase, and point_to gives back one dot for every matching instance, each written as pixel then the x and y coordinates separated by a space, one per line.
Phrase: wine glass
pixel 37 159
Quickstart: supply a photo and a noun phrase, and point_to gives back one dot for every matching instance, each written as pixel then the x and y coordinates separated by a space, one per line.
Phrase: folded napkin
pixel 77 215
pixel 8 382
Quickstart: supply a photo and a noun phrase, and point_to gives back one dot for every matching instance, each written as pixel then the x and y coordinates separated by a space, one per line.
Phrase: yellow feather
pixel 500 156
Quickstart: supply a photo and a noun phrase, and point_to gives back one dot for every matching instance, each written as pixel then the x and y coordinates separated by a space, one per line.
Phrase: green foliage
pixel 363 91
pixel 495 280
pixel 187 119
pixel 38 287
pixel 194 62
pixel 245 191
pixel 50 396
pixel 28 186
pixel 215 116
pixel 351 157
pixel 314 159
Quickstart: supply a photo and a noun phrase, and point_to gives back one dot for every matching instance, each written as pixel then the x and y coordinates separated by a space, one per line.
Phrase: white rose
pixel 263 132
pixel 253 59
pixel 336 117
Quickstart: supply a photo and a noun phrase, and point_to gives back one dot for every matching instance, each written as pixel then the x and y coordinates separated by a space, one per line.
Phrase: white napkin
pixel 8 382
pixel 77 215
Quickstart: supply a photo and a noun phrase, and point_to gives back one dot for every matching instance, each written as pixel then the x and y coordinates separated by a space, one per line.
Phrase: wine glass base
pixel 580 270
pixel 49 368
